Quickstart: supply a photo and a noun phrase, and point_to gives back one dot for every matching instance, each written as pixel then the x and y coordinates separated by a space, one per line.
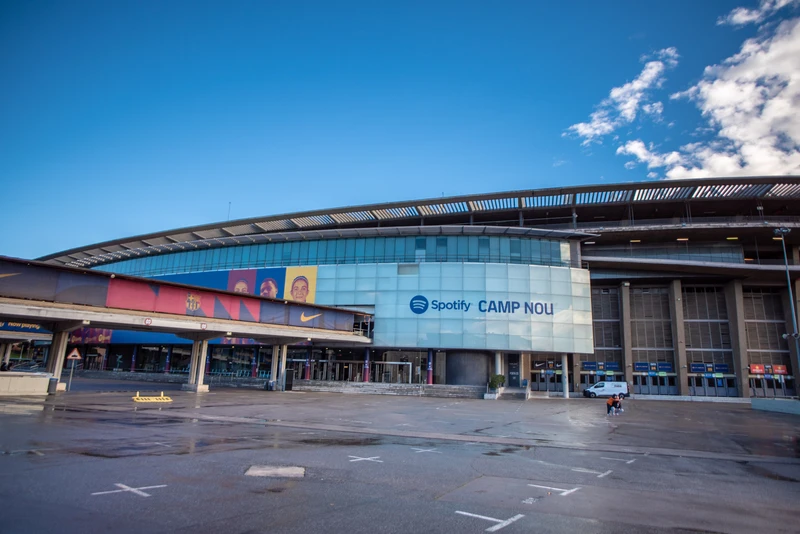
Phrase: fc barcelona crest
pixel 192 302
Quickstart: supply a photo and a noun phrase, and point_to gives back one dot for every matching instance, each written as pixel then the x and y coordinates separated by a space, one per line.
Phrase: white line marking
pixel 500 523
pixel 504 523
pixel 125 488
pixel 616 459
pixel 630 461
pixel 371 459
pixel 598 473
pixel 425 450
pixel 156 443
pixel 403 424
pixel 604 474
pixel 563 493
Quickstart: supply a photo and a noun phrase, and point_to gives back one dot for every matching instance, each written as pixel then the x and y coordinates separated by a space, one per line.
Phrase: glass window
pixel 494 249
pixel 555 252
pixel 536 252
pixel 269 258
pixel 303 260
pixel 369 249
pixel 245 256
pixel 294 258
pixel 389 252
pixel 380 254
pixel 473 245
pixel 350 251
pixel 312 253
pixel 340 251
pixel 463 249
pixel 400 247
pixel 360 247
pixel 419 243
pixel 237 257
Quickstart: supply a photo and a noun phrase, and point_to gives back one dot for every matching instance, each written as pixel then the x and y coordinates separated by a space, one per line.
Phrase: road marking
pixel 403 424
pixel 598 473
pixel 156 443
pixel 276 471
pixel 500 522
pixel 125 488
pixel 426 450
pixel 618 459
pixel 371 459
pixel 563 493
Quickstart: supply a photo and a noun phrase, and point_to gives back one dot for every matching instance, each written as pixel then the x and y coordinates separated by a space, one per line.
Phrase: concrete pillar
pixel 734 302
pixel 276 355
pixel 193 363
pixel 576 373
pixel 565 375
pixel 254 368
pixel 498 363
pixel 57 355
pixel 793 344
pixel 282 367
pixel 366 365
pixel 679 335
pixel 307 373
pixel 6 353
pixel 625 331
pixel 201 369
pixel 430 366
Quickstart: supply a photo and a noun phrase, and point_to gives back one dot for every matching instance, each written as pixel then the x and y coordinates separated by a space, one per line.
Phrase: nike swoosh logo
pixel 8 274
pixel 305 318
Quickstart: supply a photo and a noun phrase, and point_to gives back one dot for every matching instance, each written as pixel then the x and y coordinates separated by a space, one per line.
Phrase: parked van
pixel 607 389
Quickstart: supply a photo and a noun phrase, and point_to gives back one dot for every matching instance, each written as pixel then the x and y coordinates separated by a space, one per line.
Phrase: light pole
pixel 782 233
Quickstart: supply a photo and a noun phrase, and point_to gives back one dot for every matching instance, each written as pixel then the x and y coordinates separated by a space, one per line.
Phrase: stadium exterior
pixel 677 287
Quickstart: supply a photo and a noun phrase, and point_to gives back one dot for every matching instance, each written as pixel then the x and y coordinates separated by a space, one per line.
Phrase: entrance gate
pixel 702 385
pixel 662 384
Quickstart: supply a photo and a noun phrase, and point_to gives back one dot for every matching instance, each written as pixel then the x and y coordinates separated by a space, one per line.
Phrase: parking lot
pixel 246 461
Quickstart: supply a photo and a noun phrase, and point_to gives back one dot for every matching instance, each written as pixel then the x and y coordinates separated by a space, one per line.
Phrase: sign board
pixel 721 368
pixel 779 369
pixel 756 369
pixel 614 366
pixel 641 366
pixel 665 366
pixel 698 368
pixel 589 366
pixel 74 355
pixel 662 373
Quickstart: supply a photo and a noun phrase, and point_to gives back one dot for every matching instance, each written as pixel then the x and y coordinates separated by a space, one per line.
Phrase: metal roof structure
pixel 494 209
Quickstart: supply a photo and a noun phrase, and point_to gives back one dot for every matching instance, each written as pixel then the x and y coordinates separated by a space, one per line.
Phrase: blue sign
pixel 652 373
pixel 641 366
pixel 708 375
pixel 698 368
pixel 419 304
pixel 665 366
pixel 613 366
pixel 550 372
pixel 589 366
pixel 721 368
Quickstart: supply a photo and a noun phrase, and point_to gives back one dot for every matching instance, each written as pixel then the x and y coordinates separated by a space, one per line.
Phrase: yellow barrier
pixel 160 398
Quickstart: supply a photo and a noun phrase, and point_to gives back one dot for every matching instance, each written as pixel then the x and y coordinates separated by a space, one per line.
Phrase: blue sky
pixel 123 118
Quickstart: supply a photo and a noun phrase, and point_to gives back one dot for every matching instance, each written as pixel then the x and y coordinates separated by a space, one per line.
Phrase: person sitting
pixel 618 406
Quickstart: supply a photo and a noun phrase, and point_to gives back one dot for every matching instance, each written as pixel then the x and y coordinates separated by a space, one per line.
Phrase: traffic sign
pixel 74 355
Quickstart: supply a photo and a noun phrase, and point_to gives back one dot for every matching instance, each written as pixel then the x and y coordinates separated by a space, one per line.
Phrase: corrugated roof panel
pixel 784 190
pixel 314 220
pixel 396 213
pixel 270 226
pixel 548 201
pixel 242 229
pixel 211 233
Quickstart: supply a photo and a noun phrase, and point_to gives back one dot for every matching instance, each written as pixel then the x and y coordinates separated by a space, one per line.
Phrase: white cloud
pixel 624 102
pixel 741 15
pixel 559 162
pixel 752 101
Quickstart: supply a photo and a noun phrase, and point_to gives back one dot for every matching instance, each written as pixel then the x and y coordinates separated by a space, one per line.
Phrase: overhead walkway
pixel 62 299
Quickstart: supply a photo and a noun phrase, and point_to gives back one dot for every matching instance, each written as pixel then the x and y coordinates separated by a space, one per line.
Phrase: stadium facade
pixel 677 287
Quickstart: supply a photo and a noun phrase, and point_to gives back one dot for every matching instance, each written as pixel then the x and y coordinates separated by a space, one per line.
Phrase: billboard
pixel 298 284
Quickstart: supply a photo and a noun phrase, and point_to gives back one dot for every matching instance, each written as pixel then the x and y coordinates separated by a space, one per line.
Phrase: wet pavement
pixel 79 462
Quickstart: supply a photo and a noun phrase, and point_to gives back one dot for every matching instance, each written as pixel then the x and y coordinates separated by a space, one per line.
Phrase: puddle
pixel 766 473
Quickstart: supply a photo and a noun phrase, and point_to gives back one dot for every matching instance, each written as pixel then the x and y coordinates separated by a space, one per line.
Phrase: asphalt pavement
pixel 253 461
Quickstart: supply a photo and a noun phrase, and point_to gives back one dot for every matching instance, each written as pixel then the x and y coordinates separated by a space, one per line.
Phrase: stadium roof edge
pixel 477 203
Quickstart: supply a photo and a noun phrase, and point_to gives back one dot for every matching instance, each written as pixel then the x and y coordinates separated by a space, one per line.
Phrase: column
pixel 57 355
pixel 678 335
pixel 254 368
pixel 576 373
pixel 734 302
pixel 498 363
pixel 203 353
pixel 366 365
pixel 6 353
pixel 625 330
pixel 308 364
pixel 193 363
pixel 565 375
pixel 430 367
pixel 790 314
pixel 282 367
pixel 168 359
pixel 276 354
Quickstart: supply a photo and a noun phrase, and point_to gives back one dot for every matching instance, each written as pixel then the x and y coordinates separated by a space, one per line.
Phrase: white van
pixel 607 389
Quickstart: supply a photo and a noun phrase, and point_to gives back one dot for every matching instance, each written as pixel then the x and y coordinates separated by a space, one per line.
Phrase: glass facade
pixel 409 249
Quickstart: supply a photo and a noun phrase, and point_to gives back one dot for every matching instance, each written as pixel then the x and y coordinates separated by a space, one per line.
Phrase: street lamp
pixel 782 233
